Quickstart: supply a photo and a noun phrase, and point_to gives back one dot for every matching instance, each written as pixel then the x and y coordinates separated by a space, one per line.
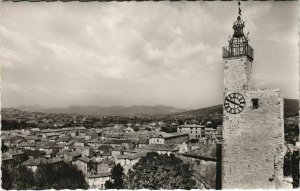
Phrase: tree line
pixel 153 171
pixel 46 177
pixel 13 124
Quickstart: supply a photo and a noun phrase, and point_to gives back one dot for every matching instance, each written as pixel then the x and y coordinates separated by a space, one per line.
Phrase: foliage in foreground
pixel 156 171
pixel 117 175
pixel 65 177
pixel 6 179
pixel 46 177
pixel 23 179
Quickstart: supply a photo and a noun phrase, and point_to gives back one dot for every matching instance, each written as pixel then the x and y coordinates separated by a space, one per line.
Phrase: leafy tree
pixel 109 185
pixel 156 171
pixel 41 176
pixel 24 125
pixel 24 178
pixel 65 177
pixel 117 175
pixel 7 179
pixel 295 169
pixel 10 124
pixel 105 148
pixel 180 121
pixel 168 129
pixel 4 148
pixel 194 140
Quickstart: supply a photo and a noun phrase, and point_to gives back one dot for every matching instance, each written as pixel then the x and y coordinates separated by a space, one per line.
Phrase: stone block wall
pixel 252 150
pixel 237 74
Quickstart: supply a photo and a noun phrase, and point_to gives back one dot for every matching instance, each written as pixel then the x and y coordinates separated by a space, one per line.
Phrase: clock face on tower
pixel 234 103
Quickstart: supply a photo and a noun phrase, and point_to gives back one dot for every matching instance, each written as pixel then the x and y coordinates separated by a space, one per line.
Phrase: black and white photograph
pixel 149 95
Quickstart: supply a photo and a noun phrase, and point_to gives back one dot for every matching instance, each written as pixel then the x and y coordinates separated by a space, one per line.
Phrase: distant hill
pixel 113 110
pixel 291 108
pixel 30 108
pixel 207 111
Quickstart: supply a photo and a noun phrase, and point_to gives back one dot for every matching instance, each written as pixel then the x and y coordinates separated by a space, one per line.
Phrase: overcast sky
pixel 146 53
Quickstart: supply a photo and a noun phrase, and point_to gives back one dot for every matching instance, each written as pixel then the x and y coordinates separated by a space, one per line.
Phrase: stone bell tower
pixel 253 133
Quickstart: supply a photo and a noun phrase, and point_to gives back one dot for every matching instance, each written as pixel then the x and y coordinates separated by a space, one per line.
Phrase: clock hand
pixel 240 105
pixel 234 103
pixel 230 101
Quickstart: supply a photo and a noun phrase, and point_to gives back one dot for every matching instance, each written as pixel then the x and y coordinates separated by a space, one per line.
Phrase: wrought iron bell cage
pixel 238 44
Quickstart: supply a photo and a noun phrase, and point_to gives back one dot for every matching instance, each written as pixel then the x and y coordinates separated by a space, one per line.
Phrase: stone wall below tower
pixel 252 150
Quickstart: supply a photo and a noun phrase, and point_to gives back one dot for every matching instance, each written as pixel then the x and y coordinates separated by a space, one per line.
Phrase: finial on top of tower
pixel 240 11
pixel 238 43
pixel 238 25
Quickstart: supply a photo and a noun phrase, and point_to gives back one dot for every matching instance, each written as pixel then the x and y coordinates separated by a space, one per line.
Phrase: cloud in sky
pixel 112 53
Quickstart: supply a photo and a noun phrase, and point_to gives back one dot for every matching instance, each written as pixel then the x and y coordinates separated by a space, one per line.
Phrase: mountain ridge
pixel 291 108
pixel 110 110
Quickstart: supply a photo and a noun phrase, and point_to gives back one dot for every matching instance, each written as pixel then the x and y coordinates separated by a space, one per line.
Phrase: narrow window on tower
pixel 255 104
